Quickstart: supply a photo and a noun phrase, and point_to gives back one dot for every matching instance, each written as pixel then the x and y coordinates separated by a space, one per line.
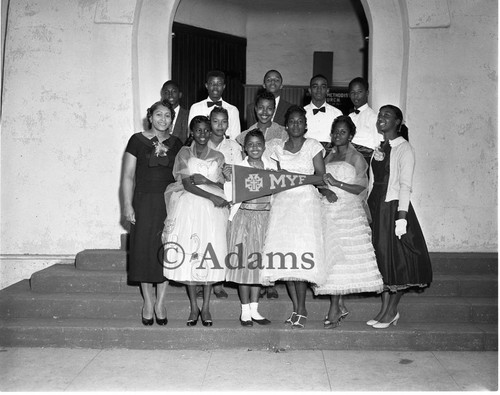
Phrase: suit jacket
pixel 279 114
pixel 181 125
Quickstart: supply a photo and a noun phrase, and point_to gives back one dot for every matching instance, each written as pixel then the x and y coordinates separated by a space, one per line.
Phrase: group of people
pixel 353 231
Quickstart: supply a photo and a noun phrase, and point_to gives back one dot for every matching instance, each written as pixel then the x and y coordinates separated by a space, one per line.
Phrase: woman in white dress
pixel 195 230
pixel 349 254
pixel 293 249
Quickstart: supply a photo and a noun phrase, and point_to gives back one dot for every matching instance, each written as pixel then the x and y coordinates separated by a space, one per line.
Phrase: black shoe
pixel 147 321
pixel 161 321
pixel 191 322
pixel 272 293
pixel 208 321
pixel 263 321
pixel 246 323
pixel 221 294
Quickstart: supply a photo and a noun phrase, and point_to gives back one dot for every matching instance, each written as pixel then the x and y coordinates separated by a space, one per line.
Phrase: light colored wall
pixel 217 15
pixel 452 118
pixel 67 115
pixel 286 40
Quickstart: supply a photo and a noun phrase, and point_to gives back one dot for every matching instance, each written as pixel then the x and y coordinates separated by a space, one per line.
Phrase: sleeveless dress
pixel 293 250
pixel 404 262
pixel 195 230
pixel 349 254
pixel 152 176
pixel 246 234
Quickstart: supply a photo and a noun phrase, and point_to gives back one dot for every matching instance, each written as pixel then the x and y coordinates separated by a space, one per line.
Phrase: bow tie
pixel 316 110
pixel 214 103
pixel 355 111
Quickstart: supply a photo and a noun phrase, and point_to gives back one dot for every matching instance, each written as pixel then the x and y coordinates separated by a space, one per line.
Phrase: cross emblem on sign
pixel 253 183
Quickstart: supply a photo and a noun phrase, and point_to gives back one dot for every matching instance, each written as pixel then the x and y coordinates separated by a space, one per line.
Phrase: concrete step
pixel 442 262
pixel 351 335
pixel 65 278
pixel 22 304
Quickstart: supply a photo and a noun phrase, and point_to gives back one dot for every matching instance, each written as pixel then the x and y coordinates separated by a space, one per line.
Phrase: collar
pixel 363 107
pixel 210 100
pixel 397 141
pixel 323 105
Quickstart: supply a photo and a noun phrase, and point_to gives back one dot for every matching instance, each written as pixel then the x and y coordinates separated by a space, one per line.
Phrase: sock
pixel 254 311
pixel 245 312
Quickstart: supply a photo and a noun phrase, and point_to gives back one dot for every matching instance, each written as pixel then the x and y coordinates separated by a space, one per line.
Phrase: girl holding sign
pixel 294 243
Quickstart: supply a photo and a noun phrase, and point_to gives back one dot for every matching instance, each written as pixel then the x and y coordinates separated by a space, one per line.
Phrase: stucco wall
pixel 452 117
pixel 67 115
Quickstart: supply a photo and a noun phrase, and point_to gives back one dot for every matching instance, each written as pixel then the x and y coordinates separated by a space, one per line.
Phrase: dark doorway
pixel 196 51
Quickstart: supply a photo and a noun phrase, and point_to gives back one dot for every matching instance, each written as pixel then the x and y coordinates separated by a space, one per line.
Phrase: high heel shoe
pixel 344 315
pixel 161 321
pixel 208 321
pixel 291 319
pixel 383 325
pixel 371 322
pixel 192 322
pixel 146 321
pixel 300 321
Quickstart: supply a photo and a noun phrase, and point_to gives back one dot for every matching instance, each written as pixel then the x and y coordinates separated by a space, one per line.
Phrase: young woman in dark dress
pixel 400 247
pixel 147 170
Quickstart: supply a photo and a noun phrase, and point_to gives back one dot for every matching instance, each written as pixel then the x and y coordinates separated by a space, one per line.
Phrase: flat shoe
pixel 246 323
pixel 221 294
pixel 263 321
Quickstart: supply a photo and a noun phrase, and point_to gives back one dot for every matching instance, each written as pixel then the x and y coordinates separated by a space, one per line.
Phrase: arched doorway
pixel 388 51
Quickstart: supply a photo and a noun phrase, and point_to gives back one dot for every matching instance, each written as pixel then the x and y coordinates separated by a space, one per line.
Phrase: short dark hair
pixel 197 120
pixel 169 82
pixel 348 121
pixel 318 76
pixel 265 95
pixel 219 110
pixel 292 109
pixel 254 133
pixel 216 74
pixel 154 106
pixel 359 80
pixel 273 71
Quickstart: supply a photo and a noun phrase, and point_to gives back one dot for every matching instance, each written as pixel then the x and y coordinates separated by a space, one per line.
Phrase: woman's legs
pixel 195 311
pixel 160 305
pixel 335 311
pixel 244 292
pixel 292 292
pixel 392 307
pixel 205 308
pixel 147 295
pixel 301 287
pixel 385 303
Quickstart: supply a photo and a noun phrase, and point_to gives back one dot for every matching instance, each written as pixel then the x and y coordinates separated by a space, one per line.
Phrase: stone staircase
pixel 90 305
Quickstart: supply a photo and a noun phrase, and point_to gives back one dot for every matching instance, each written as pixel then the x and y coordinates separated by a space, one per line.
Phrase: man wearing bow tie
pixel 365 118
pixel 215 86
pixel 319 113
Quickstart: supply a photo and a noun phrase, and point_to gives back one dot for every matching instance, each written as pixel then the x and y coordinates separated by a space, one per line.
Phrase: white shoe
pixel 383 325
pixel 372 322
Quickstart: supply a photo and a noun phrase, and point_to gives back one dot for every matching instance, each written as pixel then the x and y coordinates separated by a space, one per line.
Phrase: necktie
pixel 214 103
pixel 316 110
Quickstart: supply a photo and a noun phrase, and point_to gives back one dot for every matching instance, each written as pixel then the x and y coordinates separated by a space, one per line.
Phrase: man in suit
pixel 170 92
pixel 273 82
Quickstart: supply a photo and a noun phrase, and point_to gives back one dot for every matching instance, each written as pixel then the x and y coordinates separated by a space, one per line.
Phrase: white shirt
pixel 201 108
pixel 366 127
pixel 231 150
pixel 319 126
pixel 276 102
pixel 176 113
